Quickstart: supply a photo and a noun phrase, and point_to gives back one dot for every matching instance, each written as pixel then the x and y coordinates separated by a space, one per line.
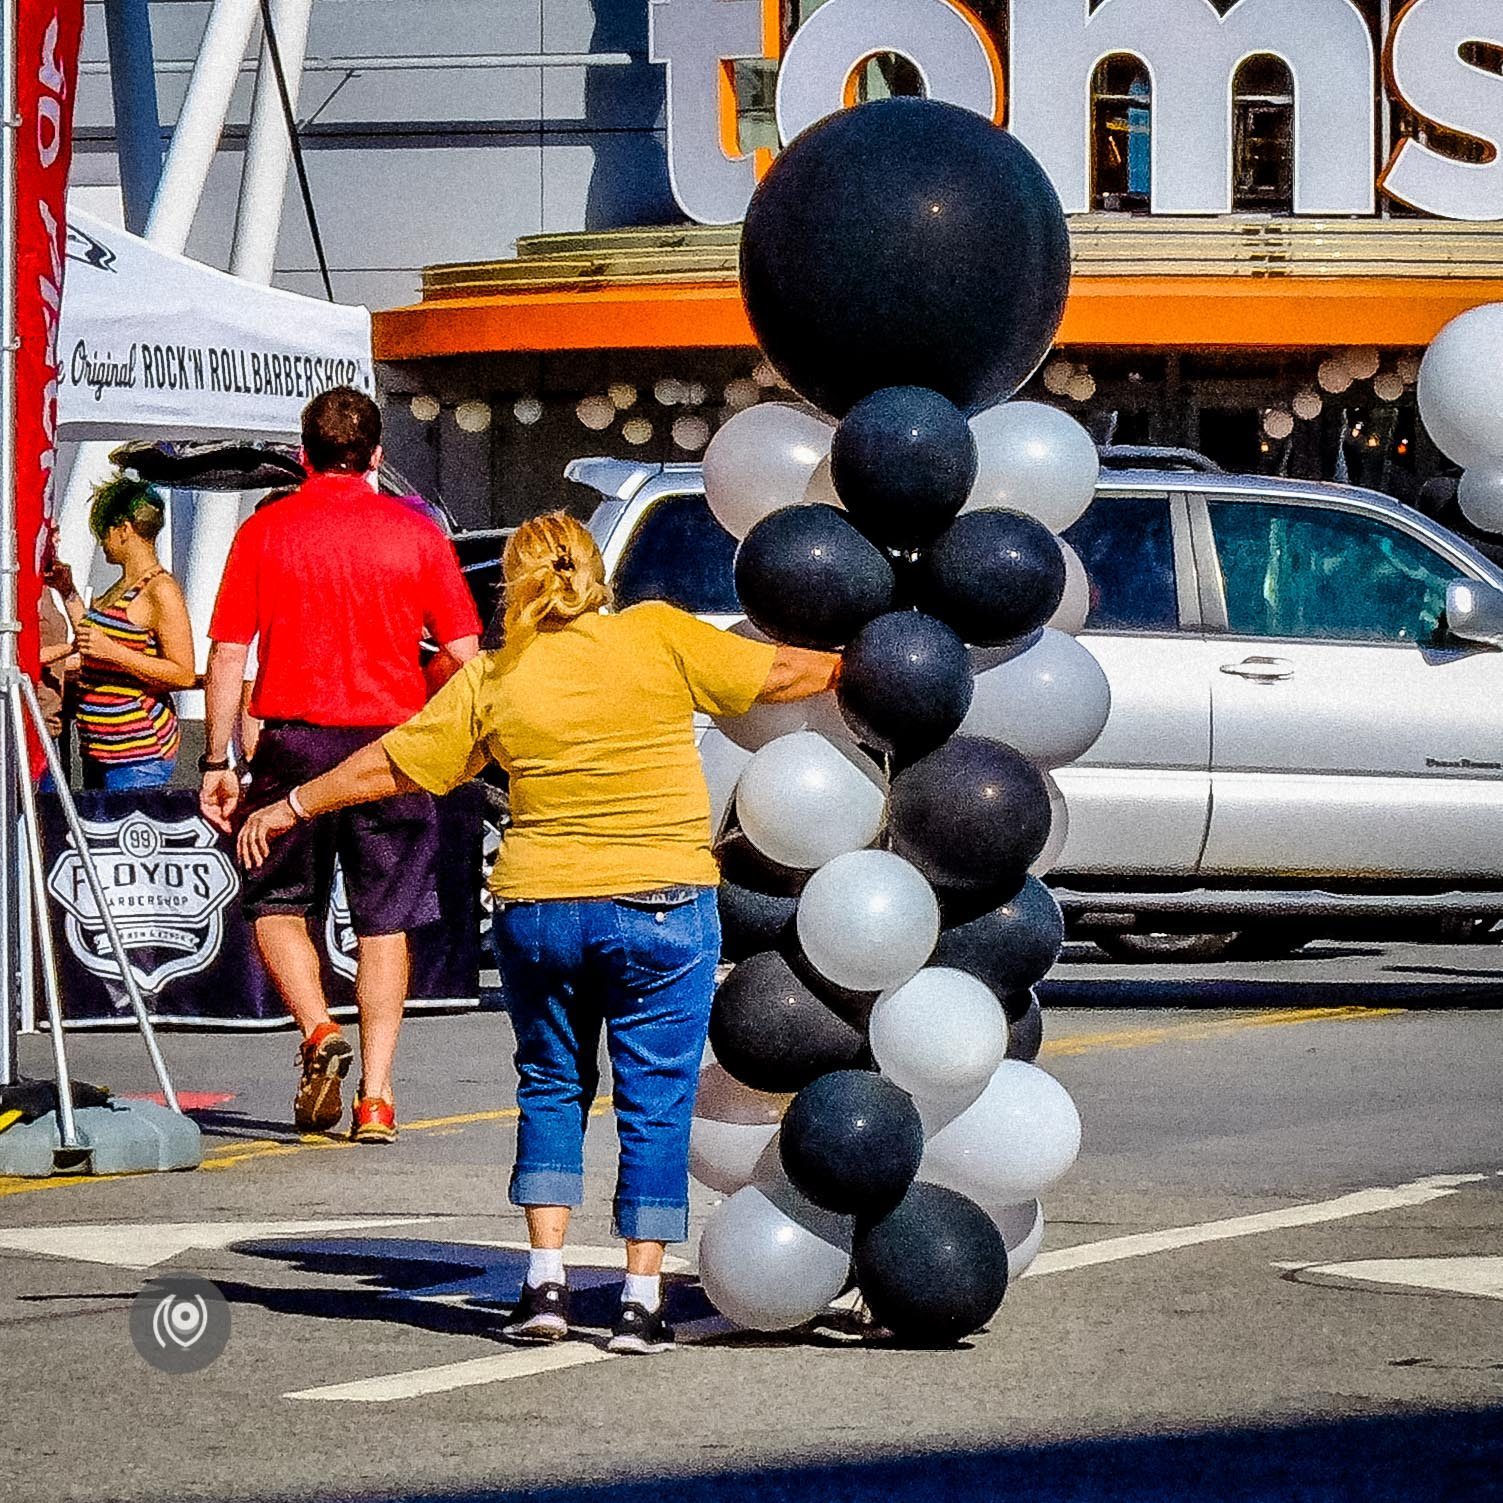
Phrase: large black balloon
pixel 772 1033
pixel 805 576
pixel 1010 947
pixel 851 1141
pixel 934 1269
pixel 1025 1035
pixel 994 576
pixel 758 900
pixel 905 242
pixel 973 815
pixel 905 684
pixel 903 461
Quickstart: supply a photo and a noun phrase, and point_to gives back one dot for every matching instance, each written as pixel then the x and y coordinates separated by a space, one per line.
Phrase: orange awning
pixel 1154 312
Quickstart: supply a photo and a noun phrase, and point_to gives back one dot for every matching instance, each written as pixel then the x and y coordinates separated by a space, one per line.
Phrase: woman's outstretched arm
pixel 363 777
pixel 798 673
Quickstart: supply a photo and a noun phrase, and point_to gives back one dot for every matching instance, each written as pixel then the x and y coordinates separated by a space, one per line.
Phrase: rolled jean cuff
pixel 650 1221
pixel 546 1187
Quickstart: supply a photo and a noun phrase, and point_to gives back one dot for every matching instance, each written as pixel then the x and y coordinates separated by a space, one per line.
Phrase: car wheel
pixel 1145 947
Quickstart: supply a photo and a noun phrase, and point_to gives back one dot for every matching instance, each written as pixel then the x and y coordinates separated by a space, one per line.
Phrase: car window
pixel 681 554
pixel 1127 546
pixel 1308 571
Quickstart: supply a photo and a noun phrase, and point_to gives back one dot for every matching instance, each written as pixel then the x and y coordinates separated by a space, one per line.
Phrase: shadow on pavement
pixel 1456 1456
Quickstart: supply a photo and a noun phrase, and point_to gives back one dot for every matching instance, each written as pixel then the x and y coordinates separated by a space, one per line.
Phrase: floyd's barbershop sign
pixel 1191 52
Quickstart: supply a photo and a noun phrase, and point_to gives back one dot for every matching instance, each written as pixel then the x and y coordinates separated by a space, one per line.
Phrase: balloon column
pixel 1461 401
pixel 873 1112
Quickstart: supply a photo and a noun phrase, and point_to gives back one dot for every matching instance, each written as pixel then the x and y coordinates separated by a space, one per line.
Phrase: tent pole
pixel 268 148
pixel 195 138
pixel 10 626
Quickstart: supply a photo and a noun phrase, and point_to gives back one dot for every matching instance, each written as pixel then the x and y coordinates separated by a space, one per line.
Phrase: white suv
pixel 1298 736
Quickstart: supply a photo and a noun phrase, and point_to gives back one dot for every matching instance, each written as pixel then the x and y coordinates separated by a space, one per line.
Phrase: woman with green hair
pixel 137 647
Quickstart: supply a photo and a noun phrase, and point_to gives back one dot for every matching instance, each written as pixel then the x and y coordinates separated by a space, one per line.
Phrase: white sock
pixel 545 1265
pixel 645 1289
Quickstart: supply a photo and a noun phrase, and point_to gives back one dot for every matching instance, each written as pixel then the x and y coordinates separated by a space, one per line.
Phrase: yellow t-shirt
pixel 594 723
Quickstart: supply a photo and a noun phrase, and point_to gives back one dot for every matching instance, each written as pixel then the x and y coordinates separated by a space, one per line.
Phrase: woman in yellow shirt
pixel 604 885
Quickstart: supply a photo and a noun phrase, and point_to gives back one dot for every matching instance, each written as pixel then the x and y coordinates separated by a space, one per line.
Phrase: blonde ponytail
pixel 552 572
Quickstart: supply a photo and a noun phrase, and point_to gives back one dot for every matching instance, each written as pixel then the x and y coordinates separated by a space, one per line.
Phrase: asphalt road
pixel 1276 1271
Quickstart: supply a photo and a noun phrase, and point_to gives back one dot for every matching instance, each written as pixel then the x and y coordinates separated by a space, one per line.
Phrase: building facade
pixel 1275 205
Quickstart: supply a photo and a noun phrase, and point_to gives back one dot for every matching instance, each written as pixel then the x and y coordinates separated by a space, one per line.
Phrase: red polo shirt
pixel 340 584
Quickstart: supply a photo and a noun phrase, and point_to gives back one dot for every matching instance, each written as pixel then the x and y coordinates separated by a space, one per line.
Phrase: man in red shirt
pixel 340 586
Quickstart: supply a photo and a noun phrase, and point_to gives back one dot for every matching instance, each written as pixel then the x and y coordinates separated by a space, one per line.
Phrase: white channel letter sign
pixel 1427 72
pixel 1190 51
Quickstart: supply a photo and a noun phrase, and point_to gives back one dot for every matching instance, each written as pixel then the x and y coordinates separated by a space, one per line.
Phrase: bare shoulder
pixel 164 593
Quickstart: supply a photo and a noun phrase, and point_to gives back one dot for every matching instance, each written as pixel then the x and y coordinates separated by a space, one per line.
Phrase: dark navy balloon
pixel 757 900
pixel 905 684
pixel 932 1270
pixel 805 576
pixel 994 576
pixel 1010 947
pixel 905 242
pixel 772 1034
pixel 1025 1035
pixel 903 461
pixel 851 1142
pixel 973 815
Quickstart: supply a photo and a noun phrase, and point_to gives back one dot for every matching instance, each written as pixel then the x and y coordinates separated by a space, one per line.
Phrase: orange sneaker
pixel 325 1057
pixel 375 1120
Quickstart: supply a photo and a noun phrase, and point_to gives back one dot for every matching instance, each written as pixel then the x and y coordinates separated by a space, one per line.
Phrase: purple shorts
pixel 388 851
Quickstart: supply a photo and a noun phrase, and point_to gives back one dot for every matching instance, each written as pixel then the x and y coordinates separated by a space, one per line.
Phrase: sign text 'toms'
pixel 1191 54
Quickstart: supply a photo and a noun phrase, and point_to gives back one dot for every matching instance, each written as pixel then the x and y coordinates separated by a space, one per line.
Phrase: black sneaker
pixel 640 1332
pixel 542 1314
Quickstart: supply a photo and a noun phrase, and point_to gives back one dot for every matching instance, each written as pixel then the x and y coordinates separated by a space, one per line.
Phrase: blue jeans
pixel 123 777
pixel 645 970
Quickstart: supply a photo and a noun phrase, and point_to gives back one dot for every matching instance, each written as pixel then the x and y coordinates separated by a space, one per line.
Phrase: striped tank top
pixel 120 719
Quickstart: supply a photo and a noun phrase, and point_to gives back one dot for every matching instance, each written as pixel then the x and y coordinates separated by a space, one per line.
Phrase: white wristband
pixel 296 805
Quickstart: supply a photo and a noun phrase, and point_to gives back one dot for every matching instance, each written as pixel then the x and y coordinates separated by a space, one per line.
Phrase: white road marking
pixel 1481 1277
pixel 1142 1245
pixel 452 1375
pixel 146 1246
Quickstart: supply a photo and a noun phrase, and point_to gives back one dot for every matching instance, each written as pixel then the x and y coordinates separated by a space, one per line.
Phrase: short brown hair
pixel 341 431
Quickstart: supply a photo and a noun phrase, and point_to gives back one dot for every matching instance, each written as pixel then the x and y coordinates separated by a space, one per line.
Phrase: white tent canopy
pixel 153 345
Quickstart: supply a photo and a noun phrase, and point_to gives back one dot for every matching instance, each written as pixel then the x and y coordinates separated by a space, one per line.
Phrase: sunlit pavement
pixel 1277 1270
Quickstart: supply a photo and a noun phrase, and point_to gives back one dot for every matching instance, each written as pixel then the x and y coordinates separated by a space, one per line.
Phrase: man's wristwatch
pixel 213 764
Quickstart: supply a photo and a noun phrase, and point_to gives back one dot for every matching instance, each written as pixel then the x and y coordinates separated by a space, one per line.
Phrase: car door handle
pixel 1265 670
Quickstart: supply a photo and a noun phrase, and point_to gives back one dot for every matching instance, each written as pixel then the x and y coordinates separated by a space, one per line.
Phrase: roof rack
pixel 1153 457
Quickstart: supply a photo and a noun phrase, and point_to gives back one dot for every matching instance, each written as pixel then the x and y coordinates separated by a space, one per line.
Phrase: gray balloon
pixel 771 1260
pixel 1034 459
pixel 1075 603
pixel 1480 497
pixel 1049 703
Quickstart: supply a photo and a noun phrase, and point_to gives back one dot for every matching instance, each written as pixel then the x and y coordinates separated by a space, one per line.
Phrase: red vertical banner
pixel 47 84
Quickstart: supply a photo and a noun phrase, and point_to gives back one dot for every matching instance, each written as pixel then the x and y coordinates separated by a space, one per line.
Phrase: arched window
pixel 884 75
pixel 1263 136
pixel 1121 135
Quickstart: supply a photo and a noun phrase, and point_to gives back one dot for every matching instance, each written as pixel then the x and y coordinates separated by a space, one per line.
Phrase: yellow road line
pixel 230 1155
pixel 1197 1029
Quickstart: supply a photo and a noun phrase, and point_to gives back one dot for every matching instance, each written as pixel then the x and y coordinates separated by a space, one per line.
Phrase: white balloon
pixel 940 1035
pixel 821 488
pixel 1461 388
pixel 761 460
pixel 1059 830
pixel 1022 1228
pixel 1480 497
pixel 1075 603
pixel 1034 459
pixel 723 763
pixel 1050 702
pixel 764 723
pixel 1016 1139
pixel 803 800
pixel 770 1260
pixel 868 920
pixel 732 1135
